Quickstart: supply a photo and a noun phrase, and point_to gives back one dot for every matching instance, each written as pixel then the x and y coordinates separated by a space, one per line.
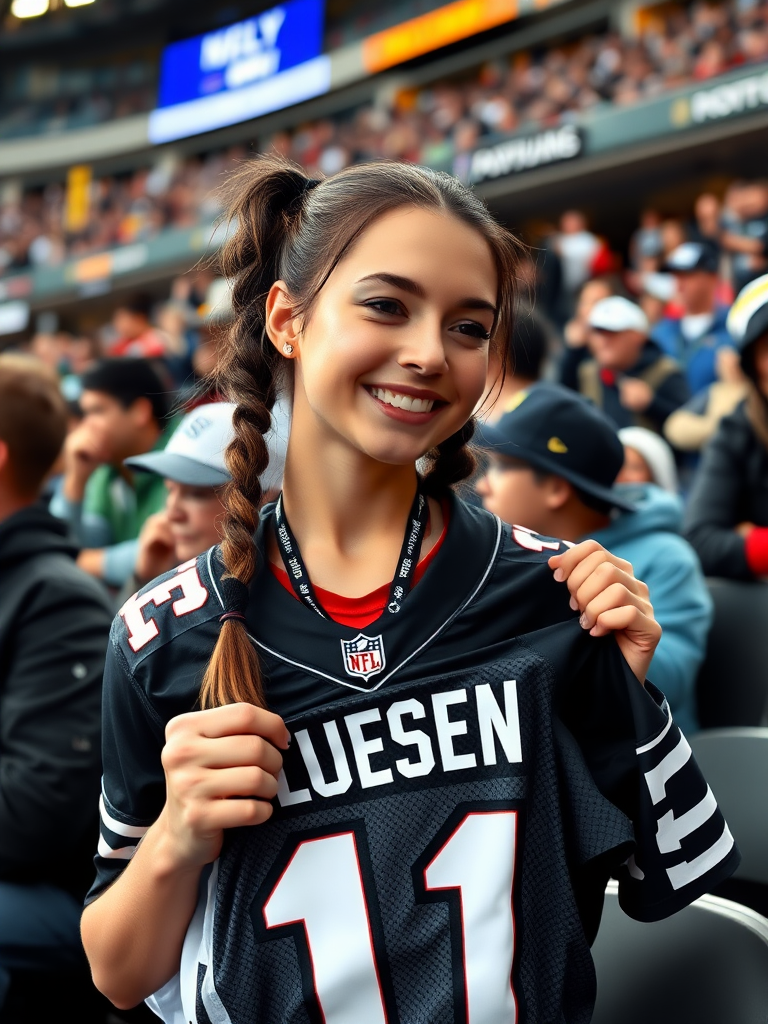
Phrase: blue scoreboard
pixel 242 71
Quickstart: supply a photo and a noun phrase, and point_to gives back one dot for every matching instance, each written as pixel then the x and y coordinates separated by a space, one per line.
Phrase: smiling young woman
pixel 475 750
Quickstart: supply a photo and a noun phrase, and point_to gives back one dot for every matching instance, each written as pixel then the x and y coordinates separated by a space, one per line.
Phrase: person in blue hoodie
pixel 553 463
pixel 695 337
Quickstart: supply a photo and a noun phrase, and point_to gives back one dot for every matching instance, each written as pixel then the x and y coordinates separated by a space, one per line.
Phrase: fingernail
pixel 593 631
pixel 583 621
pixel 574 604
pixel 559 575
pixel 288 741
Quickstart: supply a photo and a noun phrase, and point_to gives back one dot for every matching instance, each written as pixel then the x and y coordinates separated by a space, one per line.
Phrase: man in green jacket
pixel 125 407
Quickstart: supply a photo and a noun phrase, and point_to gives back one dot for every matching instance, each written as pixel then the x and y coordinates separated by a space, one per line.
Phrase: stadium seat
pixel 732 688
pixel 735 764
pixel 707 964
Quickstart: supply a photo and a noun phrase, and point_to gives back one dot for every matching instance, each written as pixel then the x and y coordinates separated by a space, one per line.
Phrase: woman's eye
pixel 389 306
pixel 473 330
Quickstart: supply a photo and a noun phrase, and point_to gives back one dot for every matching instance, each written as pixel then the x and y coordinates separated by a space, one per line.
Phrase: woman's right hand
pixel 221 767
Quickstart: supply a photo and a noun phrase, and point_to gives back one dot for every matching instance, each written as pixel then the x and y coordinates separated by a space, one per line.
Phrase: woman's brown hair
pixel 291 228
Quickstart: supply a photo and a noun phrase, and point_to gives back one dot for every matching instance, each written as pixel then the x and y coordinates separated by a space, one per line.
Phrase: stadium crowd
pixel 433 125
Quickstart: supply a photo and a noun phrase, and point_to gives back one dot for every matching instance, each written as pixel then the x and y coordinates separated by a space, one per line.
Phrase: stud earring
pixel 287 349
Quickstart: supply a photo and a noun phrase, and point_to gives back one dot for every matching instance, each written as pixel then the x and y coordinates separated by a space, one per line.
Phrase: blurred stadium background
pixel 118 119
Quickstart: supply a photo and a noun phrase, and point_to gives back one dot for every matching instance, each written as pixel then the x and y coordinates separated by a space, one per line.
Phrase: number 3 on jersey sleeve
pixel 325 897
pixel 193 596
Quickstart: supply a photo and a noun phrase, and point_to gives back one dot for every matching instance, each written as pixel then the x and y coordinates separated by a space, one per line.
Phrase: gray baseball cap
pixel 194 454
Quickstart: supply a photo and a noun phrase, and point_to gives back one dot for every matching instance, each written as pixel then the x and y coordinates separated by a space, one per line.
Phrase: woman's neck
pixel 349 513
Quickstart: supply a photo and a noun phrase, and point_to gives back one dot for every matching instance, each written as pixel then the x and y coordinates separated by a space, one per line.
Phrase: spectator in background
pixel 727 517
pixel 526 353
pixel 554 460
pixel 577 247
pixel 694 424
pixel 707 212
pixel 745 230
pixel 54 625
pixel 648 459
pixel 194 470
pixel 134 333
pixel 673 234
pixel 125 408
pixel 628 376
pixel 645 246
pixel 656 291
pixel 576 331
pixel 694 338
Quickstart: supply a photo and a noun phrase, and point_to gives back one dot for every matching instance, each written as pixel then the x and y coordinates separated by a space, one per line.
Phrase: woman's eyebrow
pixel 396 281
pixel 406 284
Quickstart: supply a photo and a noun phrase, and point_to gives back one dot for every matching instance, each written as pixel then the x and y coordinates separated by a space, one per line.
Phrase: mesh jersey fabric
pixel 515 720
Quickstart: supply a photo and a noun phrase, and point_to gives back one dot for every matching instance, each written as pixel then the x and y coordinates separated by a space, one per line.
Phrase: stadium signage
pixel 525 154
pixel 247 69
pixel 442 27
pixel 730 99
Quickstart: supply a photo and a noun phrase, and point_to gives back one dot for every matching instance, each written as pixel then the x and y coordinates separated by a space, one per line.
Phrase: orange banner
pixel 430 31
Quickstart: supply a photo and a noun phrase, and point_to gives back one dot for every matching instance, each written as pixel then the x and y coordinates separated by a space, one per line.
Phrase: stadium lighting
pixel 77 3
pixel 29 8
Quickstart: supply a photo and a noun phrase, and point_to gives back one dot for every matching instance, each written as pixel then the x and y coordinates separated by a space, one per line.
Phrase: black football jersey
pixel 463 778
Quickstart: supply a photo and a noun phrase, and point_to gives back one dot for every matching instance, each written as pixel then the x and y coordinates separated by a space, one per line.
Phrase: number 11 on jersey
pixel 472 869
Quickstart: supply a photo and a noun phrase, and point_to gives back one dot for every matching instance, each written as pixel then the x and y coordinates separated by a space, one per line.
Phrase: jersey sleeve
pixel 643 764
pixel 133 782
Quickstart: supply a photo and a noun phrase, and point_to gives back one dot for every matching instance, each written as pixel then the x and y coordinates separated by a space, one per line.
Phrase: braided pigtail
pixel 450 462
pixel 266 200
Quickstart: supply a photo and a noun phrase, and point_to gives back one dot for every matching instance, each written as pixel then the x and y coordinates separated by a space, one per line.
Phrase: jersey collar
pixel 285 629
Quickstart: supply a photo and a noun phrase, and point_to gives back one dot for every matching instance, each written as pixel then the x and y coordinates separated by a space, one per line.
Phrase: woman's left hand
pixel 604 589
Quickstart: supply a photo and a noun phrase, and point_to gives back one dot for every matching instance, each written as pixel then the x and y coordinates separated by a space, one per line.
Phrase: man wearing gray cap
pixel 193 467
pixel 628 376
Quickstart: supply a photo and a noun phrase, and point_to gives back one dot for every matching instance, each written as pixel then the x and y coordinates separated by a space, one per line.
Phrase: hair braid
pixel 451 461
pixel 247 376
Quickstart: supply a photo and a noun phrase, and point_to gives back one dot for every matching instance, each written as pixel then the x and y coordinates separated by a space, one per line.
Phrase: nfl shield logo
pixel 363 656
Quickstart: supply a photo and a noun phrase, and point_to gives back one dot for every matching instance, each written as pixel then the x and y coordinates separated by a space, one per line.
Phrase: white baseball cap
pixel 616 313
pixel 656 453
pixel 194 454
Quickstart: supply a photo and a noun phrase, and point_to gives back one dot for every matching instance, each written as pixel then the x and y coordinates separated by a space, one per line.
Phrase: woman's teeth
pixel 406 402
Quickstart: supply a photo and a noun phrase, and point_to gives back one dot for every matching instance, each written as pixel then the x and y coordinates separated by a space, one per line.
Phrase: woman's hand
pixel 604 589
pixel 221 768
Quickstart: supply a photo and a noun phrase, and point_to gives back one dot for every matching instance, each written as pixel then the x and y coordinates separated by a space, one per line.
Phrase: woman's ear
pixel 282 325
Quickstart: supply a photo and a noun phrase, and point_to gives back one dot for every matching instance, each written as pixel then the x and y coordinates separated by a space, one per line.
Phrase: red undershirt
pixel 359 612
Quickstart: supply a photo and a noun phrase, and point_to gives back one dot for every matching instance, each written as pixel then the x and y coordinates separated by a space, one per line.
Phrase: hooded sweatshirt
pixel 54 628
pixel 650 539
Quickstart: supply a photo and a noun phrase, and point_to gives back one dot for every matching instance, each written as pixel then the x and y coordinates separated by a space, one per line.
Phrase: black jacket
pixel 54 627
pixel 731 487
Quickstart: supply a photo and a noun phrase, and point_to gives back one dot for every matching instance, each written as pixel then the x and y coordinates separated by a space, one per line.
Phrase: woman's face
pixel 394 355
pixel 194 516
